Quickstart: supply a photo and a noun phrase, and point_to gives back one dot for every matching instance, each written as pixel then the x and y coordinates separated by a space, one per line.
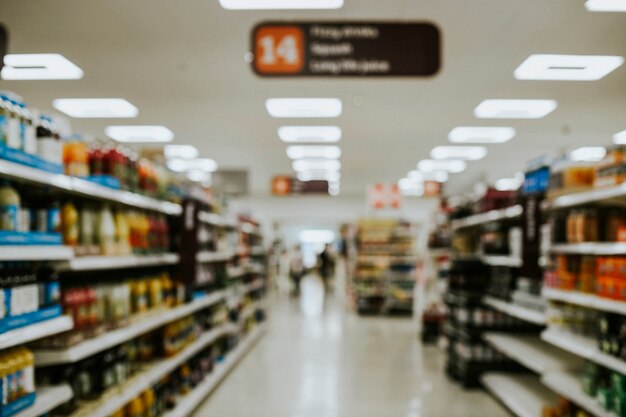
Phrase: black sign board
pixel 346 49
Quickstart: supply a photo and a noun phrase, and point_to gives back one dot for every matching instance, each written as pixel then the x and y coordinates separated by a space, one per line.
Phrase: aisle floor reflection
pixel 319 359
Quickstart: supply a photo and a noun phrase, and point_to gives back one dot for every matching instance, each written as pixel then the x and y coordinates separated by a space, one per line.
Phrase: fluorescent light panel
pixel 197 164
pixel 567 67
pixel 620 138
pixel 324 152
pixel 140 134
pixel 39 67
pixel 469 153
pixel 316 165
pixel 199 176
pixel 180 151
pixel 606 5
pixel 473 134
pixel 280 4
pixel 95 108
pixel 304 107
pixel 508 184
pixel 319 175
pixel 514 109
pixel 587 153
pixel 309 134
pixel 439 176
pixel 453 166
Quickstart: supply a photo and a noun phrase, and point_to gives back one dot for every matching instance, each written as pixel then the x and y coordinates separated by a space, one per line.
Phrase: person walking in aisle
pixel 326 265
pixel 296 269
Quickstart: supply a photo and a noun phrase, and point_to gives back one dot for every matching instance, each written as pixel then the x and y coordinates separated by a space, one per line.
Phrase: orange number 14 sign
pixel 279 49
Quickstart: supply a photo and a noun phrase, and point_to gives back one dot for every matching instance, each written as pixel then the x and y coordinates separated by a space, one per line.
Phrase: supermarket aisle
pixel 319 360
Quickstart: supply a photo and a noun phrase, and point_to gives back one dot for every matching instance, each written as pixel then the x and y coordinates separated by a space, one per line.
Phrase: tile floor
pixel 318 359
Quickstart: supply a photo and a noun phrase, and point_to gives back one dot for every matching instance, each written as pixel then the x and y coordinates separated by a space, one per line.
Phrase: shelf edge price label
pixel 346 49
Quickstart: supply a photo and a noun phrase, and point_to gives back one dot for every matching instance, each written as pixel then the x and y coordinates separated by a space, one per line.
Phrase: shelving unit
pixel 207 257
pixel 36 252
pixel 93 263
pixel 567 384
pixel 531 352
pixel 590 248
pixel 490 216
pixel 522 313
pixel 585 300
pixel 522 394
pixel 48 398
pixel 85 188
pixel 35 332
pixel 188 404
pixel 509 261
pixel 89 347
pixel 214 219
pixel 613 194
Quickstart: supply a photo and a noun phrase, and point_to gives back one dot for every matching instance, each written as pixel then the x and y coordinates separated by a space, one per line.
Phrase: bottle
pixel 156 293
pixel 9 207
pixel 106 232
pixel 135 408
pixel 87 235
pixel 49 287
pixel 96 159
pixel 49 146
pixel 122 233
pixel 29 140
pixel 28 372
pixel 53 218
pixel 149 402
pixel 69 224
pixel 14 139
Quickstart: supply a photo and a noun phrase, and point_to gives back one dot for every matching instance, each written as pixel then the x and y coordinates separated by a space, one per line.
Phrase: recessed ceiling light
pixel 470 153
pixel 411 187
pixel 199 176
pixel 439 176
pixel 514 109
pixel 280 4
pixel 95 108
pixel 587 153
pixel 39 67
pixel 309 133
pixel 139 134
pixel 319 175
pixel 304 107
pixel 186 165
pixel 567 67
pixel 180 151
pixel 606 5
pixel 429 165
pixel 316 165
pixel 508 184
pixel 473 134
pixel 325 152
pixel 620 138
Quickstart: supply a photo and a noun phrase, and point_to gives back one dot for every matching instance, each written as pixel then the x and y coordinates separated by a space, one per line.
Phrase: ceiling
pixel 182 64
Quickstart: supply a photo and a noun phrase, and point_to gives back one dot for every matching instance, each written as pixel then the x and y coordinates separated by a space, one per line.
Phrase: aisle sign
pixel 383 196
pixel 346 49
pixel 283 185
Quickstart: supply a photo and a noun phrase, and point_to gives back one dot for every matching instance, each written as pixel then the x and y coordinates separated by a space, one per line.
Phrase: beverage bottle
pixel 122 232
pixel 106 231
pixel 14 138
pixel 96 159
pixel 29 139
pixel 9 207
pixel 69 224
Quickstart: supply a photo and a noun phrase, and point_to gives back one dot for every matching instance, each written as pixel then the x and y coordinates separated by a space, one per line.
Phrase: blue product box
pixel 30 238
pixel 15 322
pixel 105 180
pixel 18 405
pixel 536 181
pixel 33 161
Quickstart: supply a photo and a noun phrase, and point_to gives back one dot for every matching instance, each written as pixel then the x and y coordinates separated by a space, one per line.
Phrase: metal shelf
pixel 216 220
pixel 207 257
pixel 188 404
pixel 532 352
pixel 93 263
pixel 606 194
pixel 522 313
pixel 510 261
pixel 584 347
pixel 585 300
pixel 86 188
pixel 48 398
pixel 522 394
pixel 567 384
pixel 112 338
pixel 590 248
pixel 488 217
pixel 35 331
pixel 36 253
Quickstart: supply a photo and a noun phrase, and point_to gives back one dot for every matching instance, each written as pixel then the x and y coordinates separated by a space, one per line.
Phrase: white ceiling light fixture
pixel 468 153
pixel 474 134
pixel 200 176
pixel 514 109
pixel 39 67
pixel 567 67
pixel 281 4
pixel 620 138
pixel 304 107
pixel 451 165
pixel 319 176
pixel 439 176
pixel 316 165
pixel 310 134
pixel 323 152
pixel 587 153
pixel 187 165
pixel 180 151
pixel 96 108
pixel 606 5
pixel 140 134
pixel 508 184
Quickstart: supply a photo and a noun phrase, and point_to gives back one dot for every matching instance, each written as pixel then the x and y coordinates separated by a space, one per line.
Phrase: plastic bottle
pixel 122 233
pixel 9 207
pixel 135 408
pixel 14 139
pixel 106 232
pixel 29 134
pixel 87 224
pixel 49 146
pixel 69 224
pixel 149 402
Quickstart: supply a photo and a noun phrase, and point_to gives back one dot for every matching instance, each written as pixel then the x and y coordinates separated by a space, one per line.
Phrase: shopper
pixel 326 265
pixel 296 269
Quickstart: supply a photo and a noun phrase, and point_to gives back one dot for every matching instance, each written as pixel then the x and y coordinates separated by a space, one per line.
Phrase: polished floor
pixel 319 359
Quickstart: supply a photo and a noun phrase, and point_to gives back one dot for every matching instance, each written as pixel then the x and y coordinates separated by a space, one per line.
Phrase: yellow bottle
pixel 149 403
pixel 135 408
pixel 122 233
pixel 119 413
pixel 156 293
pixel 12 389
